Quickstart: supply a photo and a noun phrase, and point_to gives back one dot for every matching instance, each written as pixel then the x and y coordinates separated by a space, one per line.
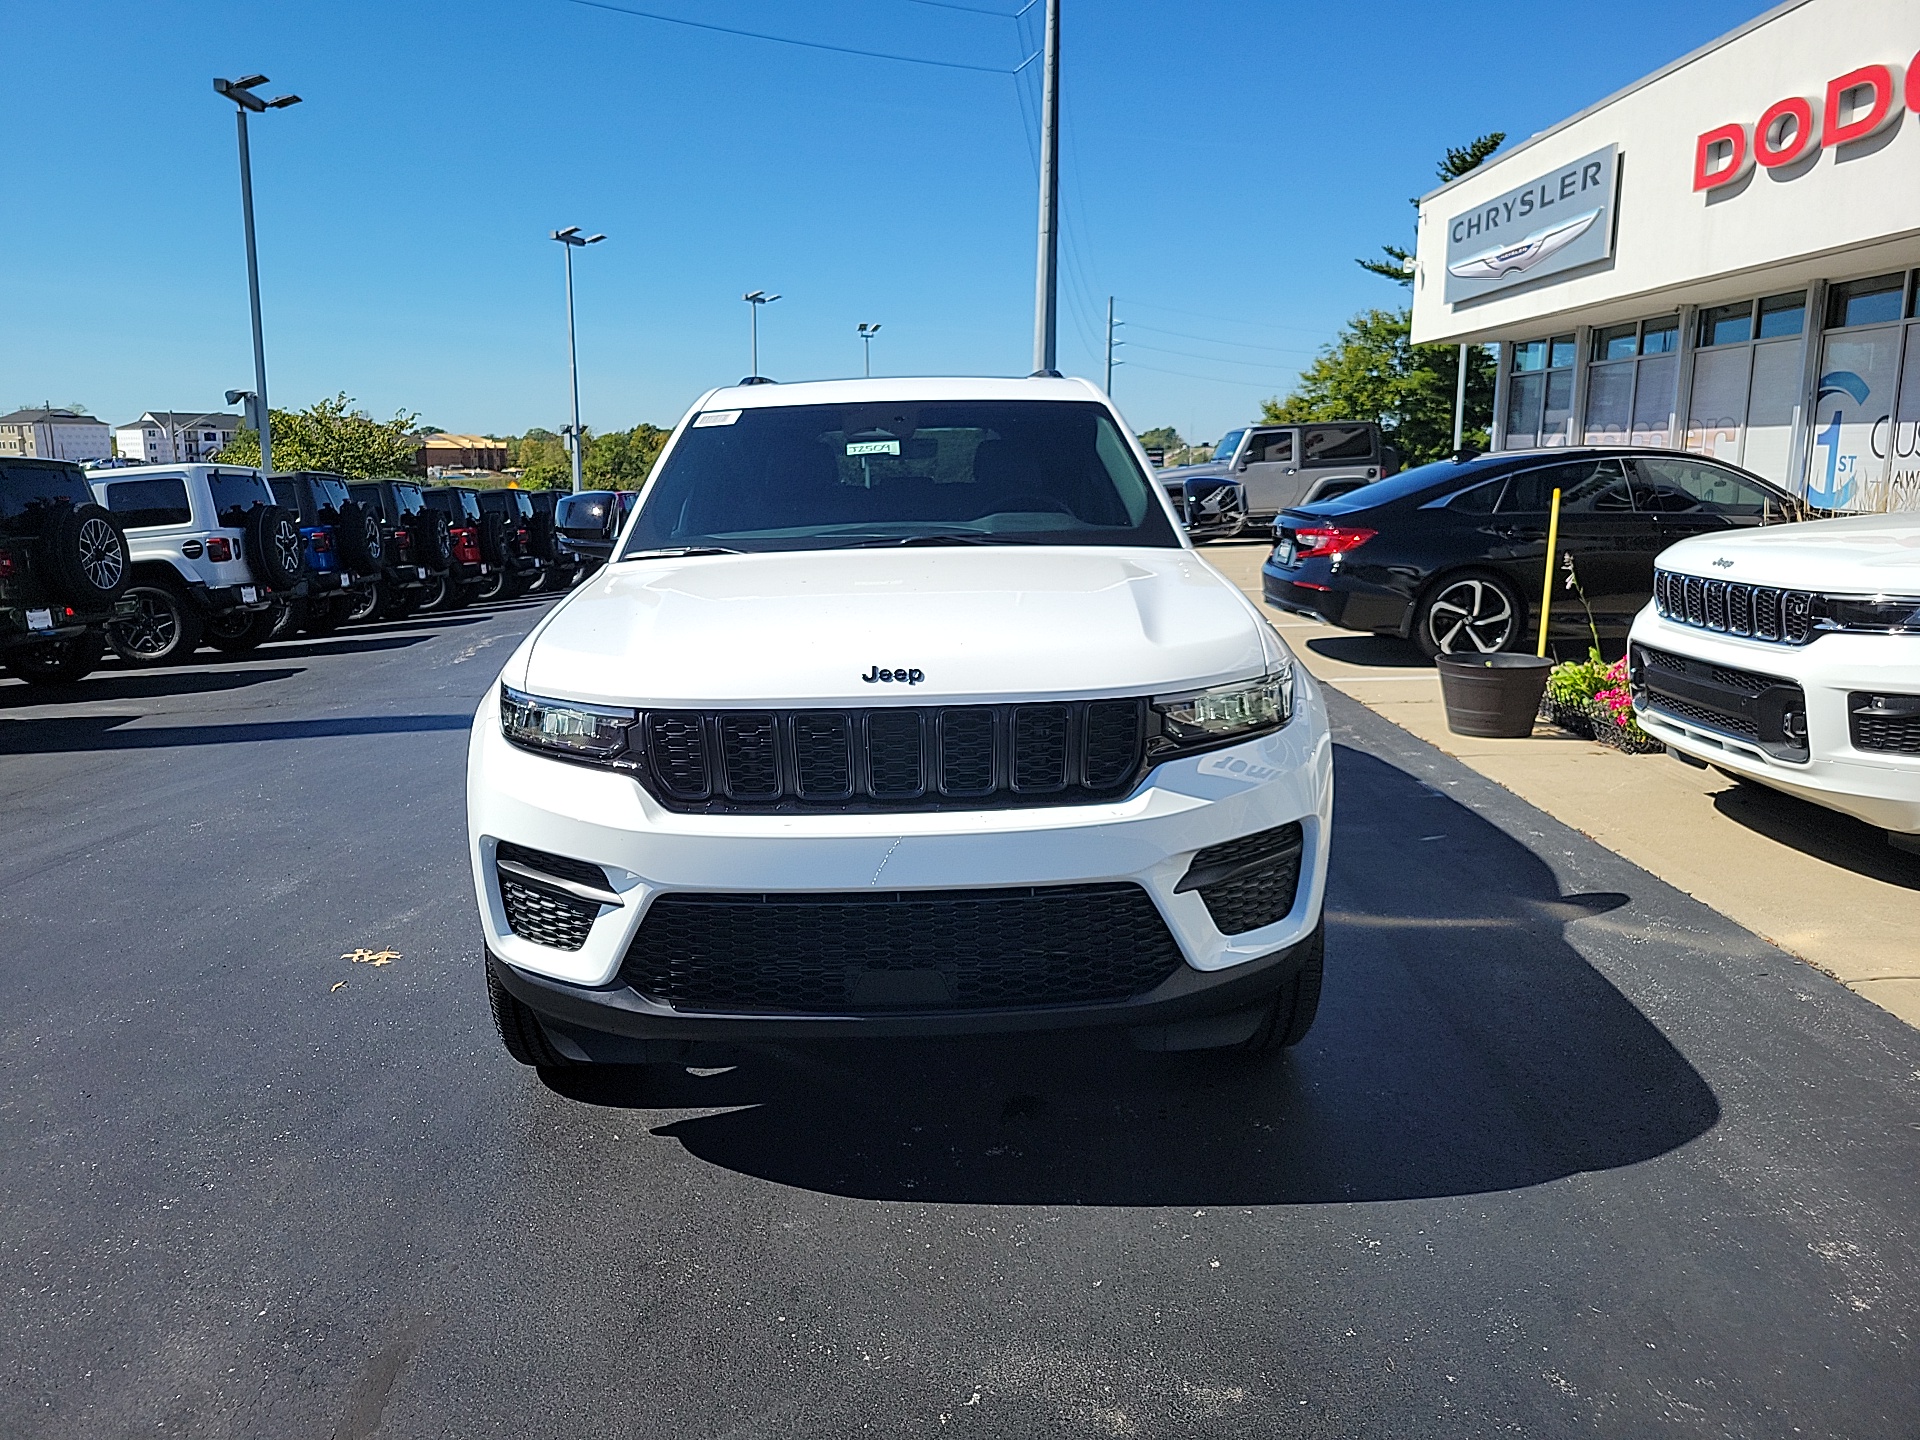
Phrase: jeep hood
pixel 980 624
pixel 1853 555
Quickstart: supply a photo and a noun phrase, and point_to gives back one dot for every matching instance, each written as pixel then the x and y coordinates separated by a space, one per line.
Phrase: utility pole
pixel 1046 300
pixel 1460 402
pixel 867 332
pixel 572 239
pixel 755 299
pixel 241 93
pixel 1111 342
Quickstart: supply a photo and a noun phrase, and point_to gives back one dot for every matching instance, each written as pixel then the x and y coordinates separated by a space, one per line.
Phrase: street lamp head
pixel 593 240
pixel 248 82
pixel 241 93
pixel 281 102
pixel 563 234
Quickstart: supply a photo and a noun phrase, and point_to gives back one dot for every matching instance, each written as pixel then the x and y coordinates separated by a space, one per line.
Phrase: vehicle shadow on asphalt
pixel 56 735
pixel 141 685
pixel 1463 1046
pixel 1817 831
pixel 1384 651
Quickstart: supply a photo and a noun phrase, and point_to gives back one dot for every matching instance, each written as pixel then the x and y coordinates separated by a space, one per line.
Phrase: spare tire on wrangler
pixel 542 540
pixel 432 538
pixel 86 556
pixel 275 548
pixel 493 538
pixel 356 536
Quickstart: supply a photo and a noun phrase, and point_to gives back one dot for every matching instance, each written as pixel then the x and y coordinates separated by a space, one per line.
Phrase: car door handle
pixel 1519 532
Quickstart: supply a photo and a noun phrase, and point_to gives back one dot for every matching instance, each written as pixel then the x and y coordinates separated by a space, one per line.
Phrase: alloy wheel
pixel 287 543
pixel 1470 615
pixel 101 555
pixel 153 629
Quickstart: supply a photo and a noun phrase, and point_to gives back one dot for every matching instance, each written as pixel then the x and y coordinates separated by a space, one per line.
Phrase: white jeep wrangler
pixel 903 708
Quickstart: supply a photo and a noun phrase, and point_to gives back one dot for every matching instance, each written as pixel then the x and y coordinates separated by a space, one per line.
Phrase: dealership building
pixel 1721 258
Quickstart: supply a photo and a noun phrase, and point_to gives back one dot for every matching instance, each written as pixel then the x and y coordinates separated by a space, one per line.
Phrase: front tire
pixel 1291 1013
pixel 1473 613
pixel 166 628
pixel 520 1029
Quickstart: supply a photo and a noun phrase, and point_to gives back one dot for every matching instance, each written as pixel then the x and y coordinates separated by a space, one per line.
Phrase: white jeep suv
pixel 903 708
pixel 1790 655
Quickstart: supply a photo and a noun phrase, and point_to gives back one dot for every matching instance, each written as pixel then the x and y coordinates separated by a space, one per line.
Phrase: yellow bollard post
pixel 1546 588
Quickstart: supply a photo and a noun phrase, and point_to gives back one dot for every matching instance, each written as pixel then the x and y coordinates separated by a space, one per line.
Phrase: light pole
pixel 241 93
pixel 1047 297
pixel 572 239
pixel 867 332
pixel 1111 342
pixel 755 299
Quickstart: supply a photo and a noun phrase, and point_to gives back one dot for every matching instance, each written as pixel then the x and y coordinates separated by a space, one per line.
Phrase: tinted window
pixel 1661 337
pixel 328 493
pixel 808 477
pixel 1479 500
pixel 1783 315
pixel 1585 486
pixel 1865 302
pixel 1677 487
pixel 462 507
pixel 1726 325
pixel 235 494
pixel 406 498
pixel 25 488
pixel 140 503
pixel 1270 447
pixel 1337 444
pixel 1616 342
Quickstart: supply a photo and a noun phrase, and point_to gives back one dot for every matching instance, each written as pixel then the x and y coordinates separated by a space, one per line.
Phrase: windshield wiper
pixel 941 538
pixel 679 552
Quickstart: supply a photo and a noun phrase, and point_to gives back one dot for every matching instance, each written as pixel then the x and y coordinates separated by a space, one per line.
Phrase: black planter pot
pixel 1494 696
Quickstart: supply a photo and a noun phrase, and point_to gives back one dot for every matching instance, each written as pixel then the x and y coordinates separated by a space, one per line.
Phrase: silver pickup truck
pixel 1261 470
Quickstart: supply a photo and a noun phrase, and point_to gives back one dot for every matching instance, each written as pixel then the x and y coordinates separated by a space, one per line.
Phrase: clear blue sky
pixel 1223 163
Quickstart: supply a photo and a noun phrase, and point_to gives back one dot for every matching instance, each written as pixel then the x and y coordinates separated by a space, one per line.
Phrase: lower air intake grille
pixel 1887 723
pixel 546 914
pixel 911 950
pixel 1249 882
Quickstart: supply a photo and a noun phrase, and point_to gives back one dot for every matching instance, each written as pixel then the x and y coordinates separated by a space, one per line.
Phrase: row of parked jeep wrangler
pixel 153 562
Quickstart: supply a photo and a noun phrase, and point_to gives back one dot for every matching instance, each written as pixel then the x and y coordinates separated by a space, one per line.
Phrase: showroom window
pixel 1864 451
pixel 1630 383
pixel 1540 393
pixel 1746 382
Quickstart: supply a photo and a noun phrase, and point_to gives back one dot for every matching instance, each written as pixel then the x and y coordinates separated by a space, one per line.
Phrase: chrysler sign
pixel 1555 223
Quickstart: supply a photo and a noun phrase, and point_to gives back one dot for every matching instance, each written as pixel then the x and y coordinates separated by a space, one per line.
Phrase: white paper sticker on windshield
pixel 873 447
pixel 715 417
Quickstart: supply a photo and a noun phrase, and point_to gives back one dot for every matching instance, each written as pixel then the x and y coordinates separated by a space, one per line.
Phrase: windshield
pixel 814 477
pixel 1229 443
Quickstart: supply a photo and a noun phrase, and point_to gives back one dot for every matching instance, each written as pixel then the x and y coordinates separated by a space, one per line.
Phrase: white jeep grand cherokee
pixel 1790 655
pixel 904 708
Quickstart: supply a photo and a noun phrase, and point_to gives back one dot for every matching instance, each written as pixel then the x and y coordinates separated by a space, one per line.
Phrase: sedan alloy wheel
pixel 1468 616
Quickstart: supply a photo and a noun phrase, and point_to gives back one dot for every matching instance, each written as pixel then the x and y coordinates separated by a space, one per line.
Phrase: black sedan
pixel 1451 555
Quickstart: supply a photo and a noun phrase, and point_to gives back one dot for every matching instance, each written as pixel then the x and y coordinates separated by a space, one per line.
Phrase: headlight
pixel 597 734
pixel 1223 714
pixel 1898 614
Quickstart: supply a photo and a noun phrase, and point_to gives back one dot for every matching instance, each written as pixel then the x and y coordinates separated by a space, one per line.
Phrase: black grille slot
pixel 581 872
pixel 1887 723
pixel 1249 882
pixel 1757 611
pixel 677 744
pixel 966 752
pixel 893 754
pixel 823 755
pixel 751 745
pixel 1113 741
pixel 1040 748
pixel 1711 716
pixel 914 950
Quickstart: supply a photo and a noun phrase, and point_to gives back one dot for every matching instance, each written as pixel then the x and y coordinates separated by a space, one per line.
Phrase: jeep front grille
pixel 1766 712
pixel 895 758
pixel 1758 612
pixel 866 952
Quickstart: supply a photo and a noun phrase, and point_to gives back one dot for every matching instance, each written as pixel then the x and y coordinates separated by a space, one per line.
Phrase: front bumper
pixel 1148 838
pixel 1878 786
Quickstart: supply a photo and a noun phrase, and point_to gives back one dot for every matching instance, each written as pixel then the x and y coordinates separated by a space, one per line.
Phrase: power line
pixel 1224 319
pixel 1214 359
pixel 1209 340
pixel 976 10
pixel 806 44
pixel 1266 385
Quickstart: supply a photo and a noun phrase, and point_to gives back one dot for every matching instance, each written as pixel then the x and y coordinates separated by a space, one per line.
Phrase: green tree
pixel 1398 265
pixel 1163 437
pixel 542 461
pixel 332 435
pixel 1372 371
pixel 622 459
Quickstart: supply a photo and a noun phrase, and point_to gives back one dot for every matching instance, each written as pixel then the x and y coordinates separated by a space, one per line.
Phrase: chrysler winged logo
pixel 1518 258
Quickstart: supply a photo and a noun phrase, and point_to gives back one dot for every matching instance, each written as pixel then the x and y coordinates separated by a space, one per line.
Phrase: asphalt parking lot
pixel 1566 1153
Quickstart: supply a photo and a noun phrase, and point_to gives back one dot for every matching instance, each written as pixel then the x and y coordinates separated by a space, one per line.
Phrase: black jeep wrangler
pixel 521 567
pixel 417 548
pixel 63 571
pixel 344 548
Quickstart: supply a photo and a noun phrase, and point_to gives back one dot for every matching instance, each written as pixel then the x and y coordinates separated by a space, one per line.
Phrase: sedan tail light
pixel 1325 540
